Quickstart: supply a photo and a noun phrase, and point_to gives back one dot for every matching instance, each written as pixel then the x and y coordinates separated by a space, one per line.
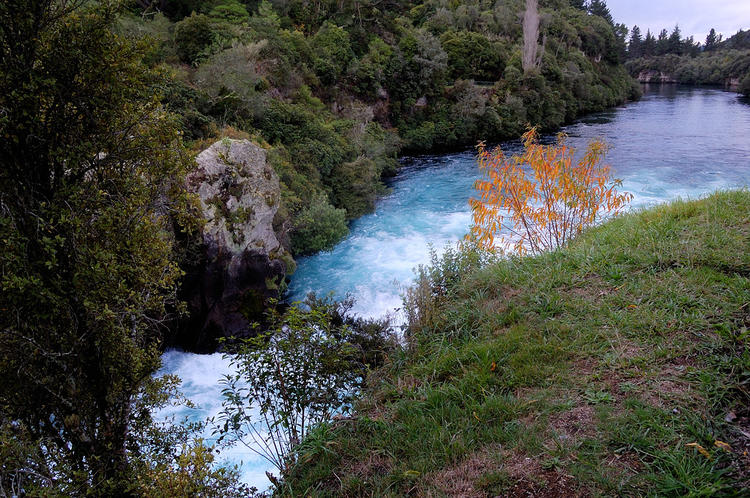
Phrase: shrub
pixel 355 186
pixel 230 11
pixel 192 36
pixel 332 45
pixel 230 80
pixel 290 379
pixel 435 283
pixel 319 227
pixel 542 206
pixel 472 56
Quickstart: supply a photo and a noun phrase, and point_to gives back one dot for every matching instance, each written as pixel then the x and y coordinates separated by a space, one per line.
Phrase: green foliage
pixel 319 227
pixel 290 380
pixel 744 87
pixel 192 36
pixel 473 56
pixel 324 81
pixel 355 186
pixel 92 191
pixel 230 10
pixel 435 284
pixel 627 347
pixel 715 67
pixel 333 53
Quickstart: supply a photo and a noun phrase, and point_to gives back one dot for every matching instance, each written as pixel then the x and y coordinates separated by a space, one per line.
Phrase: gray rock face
pixel 242 262
pixel 653 76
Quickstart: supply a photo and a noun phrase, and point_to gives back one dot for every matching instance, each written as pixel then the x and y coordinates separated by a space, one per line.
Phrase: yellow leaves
pixel 540 199
pixel 700 449
pixel 722 445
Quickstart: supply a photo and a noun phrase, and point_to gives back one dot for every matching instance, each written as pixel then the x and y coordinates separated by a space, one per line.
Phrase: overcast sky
pixel 695 17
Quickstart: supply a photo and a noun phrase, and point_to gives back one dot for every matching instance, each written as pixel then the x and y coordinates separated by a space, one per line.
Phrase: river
pixel 676 142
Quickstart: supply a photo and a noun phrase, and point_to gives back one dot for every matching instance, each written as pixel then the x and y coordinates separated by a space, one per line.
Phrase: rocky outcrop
pixel 241 262
pixel 732 83
pixel 654 76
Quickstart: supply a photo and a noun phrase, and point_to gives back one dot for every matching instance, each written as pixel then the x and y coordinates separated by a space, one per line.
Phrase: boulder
pixel 241 263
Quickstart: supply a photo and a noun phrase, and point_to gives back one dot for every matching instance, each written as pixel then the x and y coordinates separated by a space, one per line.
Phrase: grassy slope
pixel 611 356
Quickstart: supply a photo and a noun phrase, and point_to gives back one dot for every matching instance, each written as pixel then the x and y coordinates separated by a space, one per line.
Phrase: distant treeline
pixel 715 62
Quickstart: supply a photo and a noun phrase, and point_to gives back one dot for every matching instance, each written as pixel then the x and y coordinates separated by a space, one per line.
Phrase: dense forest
pixel 715 62
pixel 338 89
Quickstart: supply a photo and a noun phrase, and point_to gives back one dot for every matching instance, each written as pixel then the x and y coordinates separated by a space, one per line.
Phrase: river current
pixel 674 143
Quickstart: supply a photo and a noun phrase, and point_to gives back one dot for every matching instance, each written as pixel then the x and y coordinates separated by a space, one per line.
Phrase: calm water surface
pixel 675 142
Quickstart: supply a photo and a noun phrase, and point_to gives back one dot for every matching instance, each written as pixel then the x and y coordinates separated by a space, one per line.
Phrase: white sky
pixel 695 17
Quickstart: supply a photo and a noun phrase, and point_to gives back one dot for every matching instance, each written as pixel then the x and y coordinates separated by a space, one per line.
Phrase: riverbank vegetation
pixel 338 89
pixel 91 195
pixel 716 62
pixel 537 201
pixel 616 366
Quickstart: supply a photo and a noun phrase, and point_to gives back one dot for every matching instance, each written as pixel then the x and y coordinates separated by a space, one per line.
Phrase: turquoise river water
pixel 674 143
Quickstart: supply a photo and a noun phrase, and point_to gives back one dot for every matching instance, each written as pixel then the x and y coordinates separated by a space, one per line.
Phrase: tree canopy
pixel 91 188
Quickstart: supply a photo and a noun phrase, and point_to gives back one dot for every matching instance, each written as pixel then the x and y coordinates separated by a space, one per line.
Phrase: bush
pixel 434 285
pixel 472 56
pixel 292 379
pixel 230 80
pixel 319 227
pixel 355 186
pixel 192 36
pixel 539 200
pixel 332 45
pixel 230 11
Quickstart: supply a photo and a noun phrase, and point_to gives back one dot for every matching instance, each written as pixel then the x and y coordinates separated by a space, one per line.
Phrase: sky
pixel 695 17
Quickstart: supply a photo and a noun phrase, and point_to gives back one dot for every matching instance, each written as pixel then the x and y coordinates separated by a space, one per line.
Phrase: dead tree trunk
pixel 530 35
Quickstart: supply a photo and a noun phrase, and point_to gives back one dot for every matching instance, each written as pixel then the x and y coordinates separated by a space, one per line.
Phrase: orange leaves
pixel 542 197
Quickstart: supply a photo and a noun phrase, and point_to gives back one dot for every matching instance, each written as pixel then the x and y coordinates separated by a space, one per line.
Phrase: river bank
pixel 612 367
pixel 675 142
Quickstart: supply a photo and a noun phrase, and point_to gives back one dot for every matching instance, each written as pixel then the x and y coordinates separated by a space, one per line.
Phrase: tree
pixel 675 41
pixel 578 4
pixel 530 35
pixel 662 43
pixel 621 35
pixel 599 8
pixel 712 40
pixel 635 46
pixel 649 44
pixel 291 379
pixel 91 182
pixel 537 201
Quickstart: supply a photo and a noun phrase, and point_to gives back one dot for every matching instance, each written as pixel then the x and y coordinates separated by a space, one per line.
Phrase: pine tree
pixel 675 42
pixel 662 43
pixel 599 8
pixel 711 40
pixel 578 4
pixel 649 45
pixel 635 46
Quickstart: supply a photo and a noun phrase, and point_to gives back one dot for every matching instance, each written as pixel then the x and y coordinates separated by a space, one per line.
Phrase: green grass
pixel 610 357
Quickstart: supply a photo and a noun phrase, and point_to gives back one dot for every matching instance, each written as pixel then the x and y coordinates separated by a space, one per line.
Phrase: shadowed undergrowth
pixel 617 366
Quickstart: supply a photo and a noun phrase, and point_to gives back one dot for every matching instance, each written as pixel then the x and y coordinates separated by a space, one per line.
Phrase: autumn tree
pixel 538 200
